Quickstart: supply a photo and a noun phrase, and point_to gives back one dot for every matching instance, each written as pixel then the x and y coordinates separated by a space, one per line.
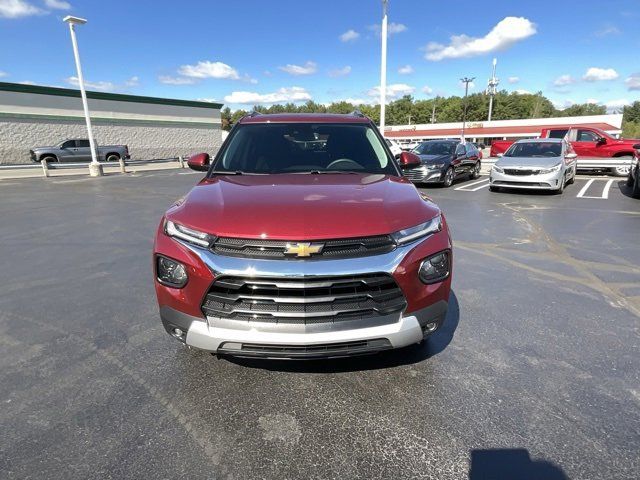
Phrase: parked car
pixel 633 180
pixel 443 161
pixel 535 164
pixel 588 143
pixel 281 252
pixel 394 147
pixel 78 150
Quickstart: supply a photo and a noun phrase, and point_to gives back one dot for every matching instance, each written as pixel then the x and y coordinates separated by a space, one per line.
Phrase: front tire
pixel 561 187
pixel 448 178
pixel 494 189
pixel 49 159
pixel 476 170
pixel 635 192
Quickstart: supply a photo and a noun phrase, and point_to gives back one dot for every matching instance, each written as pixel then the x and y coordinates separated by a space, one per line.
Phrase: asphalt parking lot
pixel 535 374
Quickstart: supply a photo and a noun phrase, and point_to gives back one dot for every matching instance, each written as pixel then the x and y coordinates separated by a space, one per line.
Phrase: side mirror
pixel 636 146
pixel 409 160
pixel 199 162
pixel 571 156
pixel 601 141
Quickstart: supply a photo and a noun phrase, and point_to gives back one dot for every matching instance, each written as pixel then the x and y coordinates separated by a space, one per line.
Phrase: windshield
pixel 303 148
pixel 435 148
pixel 534 149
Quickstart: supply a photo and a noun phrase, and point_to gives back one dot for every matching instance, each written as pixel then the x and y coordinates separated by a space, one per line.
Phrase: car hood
pixel 528 162
pixel 45 148
pixel 302 207
pixel 427 159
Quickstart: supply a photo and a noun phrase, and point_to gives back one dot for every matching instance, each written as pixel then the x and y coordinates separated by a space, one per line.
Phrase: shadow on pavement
pixel 511 464
pixel 393 358
pixel 625 190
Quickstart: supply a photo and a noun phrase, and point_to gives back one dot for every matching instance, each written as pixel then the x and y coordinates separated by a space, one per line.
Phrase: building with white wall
pixel 34 116
pixel 486 132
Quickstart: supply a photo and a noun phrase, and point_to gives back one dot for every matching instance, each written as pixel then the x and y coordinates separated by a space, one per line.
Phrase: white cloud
pixel 168 80
pixel 28 82
pixel 562 104
pixel 3 74
pixel 392 28
pixel 282 95
pixel 18 8
pixel 340 72
pixel 296 70
pixel 104 86
pixel 607 29
pixel 58 4
pixel 132 82
pixel 506 33
pixel 208 100
pixel 349 36
pixel 406 70
pixel 564 80
pixel 592 101
pixel 522 91
pixel 356 101
pixel 633 81
pixel 394 91
pixel 207 69
pixel 513 80
pixel 595 74
pixel 616 105
pixel 427 90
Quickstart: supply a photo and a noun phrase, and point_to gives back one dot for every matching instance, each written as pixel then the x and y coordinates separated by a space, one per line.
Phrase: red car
pixel 302 240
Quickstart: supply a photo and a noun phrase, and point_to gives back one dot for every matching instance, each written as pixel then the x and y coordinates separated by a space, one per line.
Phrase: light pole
pixel 95 169
pixel 383 67
pixel 492 88
pixel 466 81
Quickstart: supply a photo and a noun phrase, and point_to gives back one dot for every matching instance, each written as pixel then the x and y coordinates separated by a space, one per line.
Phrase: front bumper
pixel 548 181
pixel 426 305
pixel 267 342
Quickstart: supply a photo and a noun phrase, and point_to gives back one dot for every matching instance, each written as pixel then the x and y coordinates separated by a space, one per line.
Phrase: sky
pixel 248 52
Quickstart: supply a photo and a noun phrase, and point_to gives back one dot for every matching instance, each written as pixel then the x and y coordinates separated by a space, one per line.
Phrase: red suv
pixel 302 240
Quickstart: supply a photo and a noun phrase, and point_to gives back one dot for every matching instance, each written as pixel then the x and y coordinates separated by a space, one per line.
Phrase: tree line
pixel 407 110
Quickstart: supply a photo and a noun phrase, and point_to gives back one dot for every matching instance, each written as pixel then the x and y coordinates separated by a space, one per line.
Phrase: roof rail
pixel 357 113
pixel 253 114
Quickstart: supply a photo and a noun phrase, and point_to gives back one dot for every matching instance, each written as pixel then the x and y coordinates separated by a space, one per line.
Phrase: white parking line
pixel 466 186
pixel 585 188
pixel 605 191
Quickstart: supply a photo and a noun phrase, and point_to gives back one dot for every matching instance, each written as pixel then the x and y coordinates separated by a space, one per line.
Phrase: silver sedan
pixel 535 164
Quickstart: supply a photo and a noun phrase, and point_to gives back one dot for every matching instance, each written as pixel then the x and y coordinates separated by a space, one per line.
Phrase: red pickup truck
pixel 591 145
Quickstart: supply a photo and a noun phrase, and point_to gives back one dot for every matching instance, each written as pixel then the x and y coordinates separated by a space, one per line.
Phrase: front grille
pixel 303 300
pixel 520 172
pixel 521 184
pixel 416 174
pixel 308 351
pixel 340 248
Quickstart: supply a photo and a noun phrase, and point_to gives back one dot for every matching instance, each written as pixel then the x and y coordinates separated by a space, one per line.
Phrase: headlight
pixel 409 235
pixel 498 169
pixel 555 168
pixel 435 268
pixel 434 166
pixel 170 272
pixel 176 230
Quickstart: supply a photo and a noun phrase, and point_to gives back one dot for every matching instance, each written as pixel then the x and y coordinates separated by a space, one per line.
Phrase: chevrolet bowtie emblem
pixel 303 249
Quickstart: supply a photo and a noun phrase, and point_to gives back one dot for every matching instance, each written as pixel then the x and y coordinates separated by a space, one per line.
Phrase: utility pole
pixel 492 88
pixel 409 119
pixel 383 67
pixel 95 169
pixel 466 82
pixel 433 111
